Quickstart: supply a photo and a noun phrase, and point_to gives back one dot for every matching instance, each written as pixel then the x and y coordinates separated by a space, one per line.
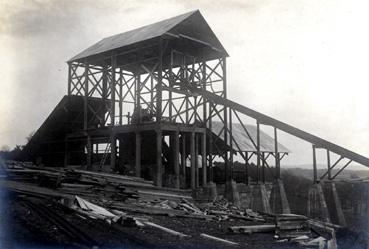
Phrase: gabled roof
pixel 243 140
pixel 189 23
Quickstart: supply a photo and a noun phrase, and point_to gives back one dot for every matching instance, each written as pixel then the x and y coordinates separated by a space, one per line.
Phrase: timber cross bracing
pixel 264 119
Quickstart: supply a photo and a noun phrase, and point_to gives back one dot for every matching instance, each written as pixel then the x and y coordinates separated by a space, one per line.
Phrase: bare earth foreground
pixel 58 208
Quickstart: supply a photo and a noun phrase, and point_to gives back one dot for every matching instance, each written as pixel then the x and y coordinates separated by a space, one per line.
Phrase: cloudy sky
pixel 303 62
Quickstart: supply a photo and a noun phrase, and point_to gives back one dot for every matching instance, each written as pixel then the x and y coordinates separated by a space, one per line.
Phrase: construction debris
pixel 207 236
pixel 252 229
pixel 175 233
pixel 123 201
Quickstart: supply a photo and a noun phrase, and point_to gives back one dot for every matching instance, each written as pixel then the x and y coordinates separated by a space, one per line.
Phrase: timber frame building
pixel 152 102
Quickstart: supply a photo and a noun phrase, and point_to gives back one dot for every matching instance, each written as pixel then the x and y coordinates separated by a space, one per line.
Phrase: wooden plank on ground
pixel 253 229
pixel 207 236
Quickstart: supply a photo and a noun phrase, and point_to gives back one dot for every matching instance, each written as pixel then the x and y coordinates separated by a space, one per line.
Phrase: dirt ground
pixel 23 227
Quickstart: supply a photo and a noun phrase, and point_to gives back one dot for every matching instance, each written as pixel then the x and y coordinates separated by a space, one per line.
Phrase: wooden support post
pixel 121 96
pixel 315 173
pixel 329 165
pixel 176 159
pixel 276 153
pixel 112 90
pixel 258 151
pixel 246 168
pixel 203 150
pixel 193 161
pixel 69 78
pixel 104 91
pixel 184 77
pixel 159 168
pixel 97 152
pixel 210 144
pixel 204 87
pixel 85 112
pixel 113 152
pixel 159 85
pixel 121 159
pixel 138 98
pixel 170 94
pixel 89 152
pixel 197 159
pixel 226 161
pixel 138 155
pixel 183 158
pixel 263 168
pixel 231 144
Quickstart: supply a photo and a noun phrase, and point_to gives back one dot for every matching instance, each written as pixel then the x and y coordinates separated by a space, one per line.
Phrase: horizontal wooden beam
pixel 264 119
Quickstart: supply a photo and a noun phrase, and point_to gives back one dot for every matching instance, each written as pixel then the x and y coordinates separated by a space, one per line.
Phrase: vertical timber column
pixel 89 152
pixel 85 114
pixel 276 153
pixel 121 96
pixel 176 159
pixel 138 155
pixel 68 116
pixel 85 118
pixel 204 88
pixel 159 168
pixel 257 151
pixel 315 173
pixel 138 97
pixel 193 161
pixel 112 90
pixel 69 78
pixel 104 91
pixel 203 157
pixel 246 168
pixel 97 151
pixel 231 144
pixel 183 158
pixel 170 90
pixel 263 169
pixel 197 159
pixel 159 84
pixel 329 165
pixel 210 144
pixel 113 152
pixel 226 161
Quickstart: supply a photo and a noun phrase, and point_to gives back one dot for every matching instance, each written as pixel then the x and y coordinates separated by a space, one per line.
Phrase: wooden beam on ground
pixel 167 230
pixel 207 236
pixel 253 229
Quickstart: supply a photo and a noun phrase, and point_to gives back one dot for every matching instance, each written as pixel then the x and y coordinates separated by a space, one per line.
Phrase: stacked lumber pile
pixel 98 185
pixel 289 226
pixel 224 210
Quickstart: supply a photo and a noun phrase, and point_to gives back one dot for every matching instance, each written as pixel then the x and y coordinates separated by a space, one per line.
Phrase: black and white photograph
pixel 172 124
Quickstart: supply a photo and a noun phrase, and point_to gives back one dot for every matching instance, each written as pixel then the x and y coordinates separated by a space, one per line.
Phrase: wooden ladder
pixel 106 152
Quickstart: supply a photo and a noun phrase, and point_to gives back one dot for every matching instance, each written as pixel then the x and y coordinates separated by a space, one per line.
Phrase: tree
pixel 29 137
pixel 5 148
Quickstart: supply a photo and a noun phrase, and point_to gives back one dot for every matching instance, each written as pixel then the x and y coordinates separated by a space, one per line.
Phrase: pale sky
pixel 302 62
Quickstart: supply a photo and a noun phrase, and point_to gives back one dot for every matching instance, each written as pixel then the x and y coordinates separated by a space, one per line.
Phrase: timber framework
pixel 153 103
